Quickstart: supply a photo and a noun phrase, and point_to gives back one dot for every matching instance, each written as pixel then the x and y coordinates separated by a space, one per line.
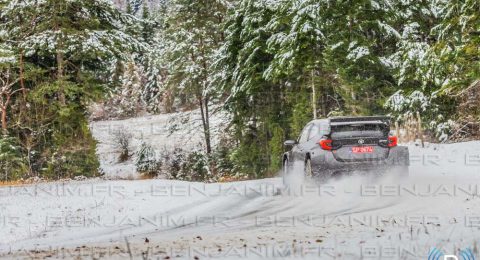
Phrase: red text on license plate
pixel 362 149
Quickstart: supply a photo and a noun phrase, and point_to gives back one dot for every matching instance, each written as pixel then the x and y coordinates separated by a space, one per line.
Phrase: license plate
pixel 362 149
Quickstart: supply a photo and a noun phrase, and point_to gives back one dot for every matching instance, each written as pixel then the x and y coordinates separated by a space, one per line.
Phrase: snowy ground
pixel 355 217
pixel 163 132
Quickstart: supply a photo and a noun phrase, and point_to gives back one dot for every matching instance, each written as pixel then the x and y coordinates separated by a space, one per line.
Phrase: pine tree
pixel 458 37
pixel 282 58
pixel 86 34
pixel 422 62
pixel 194 34
pixel 146 160
pixel 134 5
pixel 68 49
pixel 151 30
pixel 129 8
pixel 256 103
pixel 8 81
pixel 7 56
pixel 411 24
pixel 358 34
pixel 148 25
pixel 12 162
pixel 152 89
pixel 126 100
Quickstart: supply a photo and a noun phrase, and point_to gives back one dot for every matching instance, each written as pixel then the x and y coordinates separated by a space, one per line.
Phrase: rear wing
pixel 363 119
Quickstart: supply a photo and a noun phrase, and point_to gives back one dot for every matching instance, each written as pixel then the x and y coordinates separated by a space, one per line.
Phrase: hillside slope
pixel 164 133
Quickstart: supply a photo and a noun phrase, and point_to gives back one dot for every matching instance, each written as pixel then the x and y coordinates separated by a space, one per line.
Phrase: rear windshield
pixel 359 130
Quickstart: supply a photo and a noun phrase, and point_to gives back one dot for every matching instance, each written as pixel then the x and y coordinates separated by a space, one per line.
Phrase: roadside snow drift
pixel 353 217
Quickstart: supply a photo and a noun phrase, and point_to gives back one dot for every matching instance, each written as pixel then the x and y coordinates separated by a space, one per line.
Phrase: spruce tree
pixel 126 100
pixel 458 38
pixel 152 27
pixel 194 34
pixel 69 48
pixel 255 102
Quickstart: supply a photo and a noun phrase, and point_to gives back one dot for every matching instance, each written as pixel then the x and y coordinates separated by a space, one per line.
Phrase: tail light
pixel 392 141
pixel 326 144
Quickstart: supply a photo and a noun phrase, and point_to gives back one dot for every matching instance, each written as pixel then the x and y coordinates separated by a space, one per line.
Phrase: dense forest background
pixel 271 65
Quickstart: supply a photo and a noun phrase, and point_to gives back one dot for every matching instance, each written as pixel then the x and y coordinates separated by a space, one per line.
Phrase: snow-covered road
pixel 349 218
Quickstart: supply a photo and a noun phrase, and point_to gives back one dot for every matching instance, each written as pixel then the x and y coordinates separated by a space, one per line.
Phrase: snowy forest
pixel 265 67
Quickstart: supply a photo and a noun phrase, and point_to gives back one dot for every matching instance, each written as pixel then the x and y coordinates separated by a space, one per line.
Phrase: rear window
pixel 359 130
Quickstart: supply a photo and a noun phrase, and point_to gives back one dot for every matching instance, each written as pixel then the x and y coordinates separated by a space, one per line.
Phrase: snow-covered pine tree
pixel 153 27
pixel 356 37
pixel 152 5
pixel 410 24
pixel 80 38
pixel 7 56
pixel 125 100
pixel 12 161
pixel 146 160
pixel 148 25
pixel 428 62
pixel 194 34
pixel 297 44
pixel 455 61
pixel 147 62
pixel 133 6
pixel 458 38
pixel 152 88
pixel 254 101
pixel 71 47
pixel 8 89
pixel 8 77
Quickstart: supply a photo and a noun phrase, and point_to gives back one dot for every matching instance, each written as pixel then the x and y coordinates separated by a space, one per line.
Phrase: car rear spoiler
pixel 363 119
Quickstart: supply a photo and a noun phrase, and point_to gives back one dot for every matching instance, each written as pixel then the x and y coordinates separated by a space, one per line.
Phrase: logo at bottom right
pixel 436 254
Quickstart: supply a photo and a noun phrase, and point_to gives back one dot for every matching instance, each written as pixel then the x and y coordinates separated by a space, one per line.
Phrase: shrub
pixel 12 161
pixel 276 148
pixel 173 164
pixel 122 142
pixel 146 161
pixel 223 163
pixel 197 166
pixel 82 161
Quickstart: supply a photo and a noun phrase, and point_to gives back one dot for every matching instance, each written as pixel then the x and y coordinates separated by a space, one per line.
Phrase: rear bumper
pixel 397 157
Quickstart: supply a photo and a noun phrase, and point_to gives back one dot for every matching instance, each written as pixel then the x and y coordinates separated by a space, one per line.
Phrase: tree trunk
pixel 22 82
pixel 203 102
pixel 4 120
pixel 4 107
pixel 354 99
pixel 207 126
pixel 314 96
pixel 61 93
